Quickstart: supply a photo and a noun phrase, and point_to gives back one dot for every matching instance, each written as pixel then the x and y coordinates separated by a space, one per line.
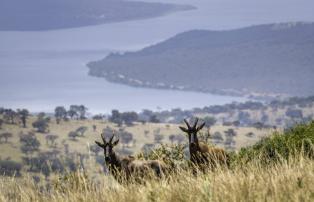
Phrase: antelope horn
pixel 103 138
pixel 187 124
pixel 195 123
pixel 112 137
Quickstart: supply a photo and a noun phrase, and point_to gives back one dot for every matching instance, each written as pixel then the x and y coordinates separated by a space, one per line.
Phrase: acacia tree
pixel 73 135
pixel 41 124
pixel 60 113
pixel 5 136
pixel 209 121
pixel 23 113
pixel 50 139
pixel 30 143
pixel 10 115
pixel 81 130
pixel 126 138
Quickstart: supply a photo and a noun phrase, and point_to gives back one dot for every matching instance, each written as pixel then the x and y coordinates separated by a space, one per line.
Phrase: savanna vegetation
pixel 277 168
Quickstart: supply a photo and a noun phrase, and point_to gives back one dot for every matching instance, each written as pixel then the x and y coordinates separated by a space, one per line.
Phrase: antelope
pixel 200 153
pixel 124 168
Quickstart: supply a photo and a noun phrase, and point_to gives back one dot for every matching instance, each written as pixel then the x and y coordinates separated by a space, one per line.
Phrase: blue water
pixel 40 70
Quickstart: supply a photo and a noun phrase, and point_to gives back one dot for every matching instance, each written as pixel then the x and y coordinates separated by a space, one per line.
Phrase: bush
pixel 172 155
pixel 10 168
pixel 293 142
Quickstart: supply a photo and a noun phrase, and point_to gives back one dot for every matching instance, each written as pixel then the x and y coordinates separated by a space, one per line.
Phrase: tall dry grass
pixel 290 180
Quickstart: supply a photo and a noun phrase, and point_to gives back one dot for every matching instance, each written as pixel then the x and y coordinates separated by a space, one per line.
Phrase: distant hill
pixel 264 59
pixel 56 14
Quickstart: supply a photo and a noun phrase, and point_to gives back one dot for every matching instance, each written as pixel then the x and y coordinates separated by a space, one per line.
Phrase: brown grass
pixel 289 181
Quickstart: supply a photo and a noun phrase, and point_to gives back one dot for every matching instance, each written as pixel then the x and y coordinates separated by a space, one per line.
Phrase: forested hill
pixel 273 58
pixel 25 15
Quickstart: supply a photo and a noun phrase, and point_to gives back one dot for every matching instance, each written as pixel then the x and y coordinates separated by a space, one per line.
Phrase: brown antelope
pixel 200 153
pixel 127 167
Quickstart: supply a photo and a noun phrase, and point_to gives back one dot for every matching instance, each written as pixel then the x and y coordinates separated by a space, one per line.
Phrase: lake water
pixel 40 70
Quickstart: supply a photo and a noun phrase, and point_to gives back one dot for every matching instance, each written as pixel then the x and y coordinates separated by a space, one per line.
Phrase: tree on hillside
pixel 60 113
pixel 172 138
pixel 230 132
pixel 154 119
pixel 129 117
pixel 10 116
pixel 81 130
pixel 50 139
pixel 78 111
pixel 250 134
pixel 23 113
pixel 94 128
pixel 116 117
pixel 126 138
pixel 5 136
pixel 158 138
pixel 30 143
pixel 10 168
pixel 217 137
pixel 72 113
pixel 209 121
pixel 96 149
pixel 41 124
pixel 1 123
pixel 98 117
pixel 73 135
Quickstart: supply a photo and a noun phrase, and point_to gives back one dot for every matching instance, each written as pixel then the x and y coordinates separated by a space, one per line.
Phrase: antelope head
pixel 192 131
pixel 108 147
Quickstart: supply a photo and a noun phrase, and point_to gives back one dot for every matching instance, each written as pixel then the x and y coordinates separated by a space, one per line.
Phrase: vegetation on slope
pixel 236 62
pixel 289 179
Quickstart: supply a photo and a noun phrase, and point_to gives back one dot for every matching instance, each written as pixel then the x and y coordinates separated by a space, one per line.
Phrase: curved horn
pixel 110 141
pixel 187 124
pixel 103 137
pixel 195 123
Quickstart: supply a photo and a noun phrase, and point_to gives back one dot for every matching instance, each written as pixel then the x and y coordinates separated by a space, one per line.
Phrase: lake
pixel 40 70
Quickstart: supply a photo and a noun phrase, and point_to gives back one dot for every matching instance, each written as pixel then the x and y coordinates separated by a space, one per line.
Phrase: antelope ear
pixel 115 142
pixel 99 144
pixel 201 126
pixel 183 129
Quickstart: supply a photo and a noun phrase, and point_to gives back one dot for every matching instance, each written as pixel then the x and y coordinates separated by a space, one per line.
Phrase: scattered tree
pixel 96 149
pixel 209 121
pixel 94 128
pixel 158 138
pixel 60 113
pixel 5 136
pixel 81 130
pixel 24 113
pixel 41 124
pixel 50 139
pixel 73 135
pixel 10 168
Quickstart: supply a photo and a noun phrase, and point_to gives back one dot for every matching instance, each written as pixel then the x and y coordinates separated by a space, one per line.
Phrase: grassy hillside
pixel 245 61
pixel 142 134
pixel 289 179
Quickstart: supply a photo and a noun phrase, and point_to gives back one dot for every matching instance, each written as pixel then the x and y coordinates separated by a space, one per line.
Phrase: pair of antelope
pixel 201 155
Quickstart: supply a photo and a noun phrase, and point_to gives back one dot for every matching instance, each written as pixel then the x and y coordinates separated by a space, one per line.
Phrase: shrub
pixel 10 168
pixel 293 142
pixel 172 155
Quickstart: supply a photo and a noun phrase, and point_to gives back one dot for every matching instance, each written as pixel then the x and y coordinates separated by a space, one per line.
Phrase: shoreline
pixel 124 80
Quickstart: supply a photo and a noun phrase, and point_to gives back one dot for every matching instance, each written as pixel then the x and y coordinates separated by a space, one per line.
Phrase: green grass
pixel 295 141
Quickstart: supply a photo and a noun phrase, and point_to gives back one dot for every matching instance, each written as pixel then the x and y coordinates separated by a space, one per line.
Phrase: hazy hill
pixel 274 58
pixel 56 14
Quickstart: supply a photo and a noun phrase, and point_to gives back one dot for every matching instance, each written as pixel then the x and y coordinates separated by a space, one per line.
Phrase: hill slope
pixel 57 14
pixel 274 58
